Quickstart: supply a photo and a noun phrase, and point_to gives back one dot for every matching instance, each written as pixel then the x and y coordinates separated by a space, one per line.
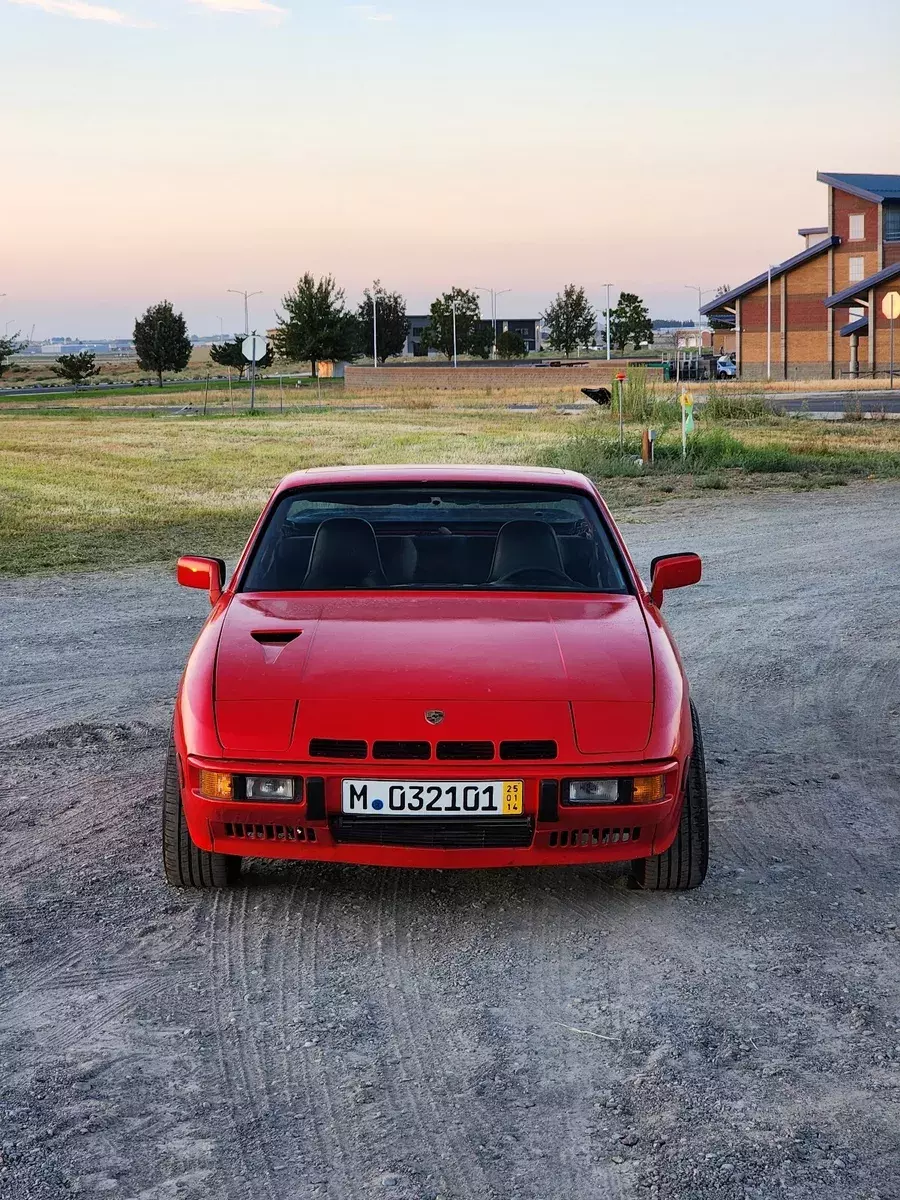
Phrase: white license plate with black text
pixel 432 798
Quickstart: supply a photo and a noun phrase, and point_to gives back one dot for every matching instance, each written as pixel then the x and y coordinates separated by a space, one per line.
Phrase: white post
pixel 453 306
pixel 683 429
pixel 375 325
pixel 769 328
pixel 892 347
pixel 608 351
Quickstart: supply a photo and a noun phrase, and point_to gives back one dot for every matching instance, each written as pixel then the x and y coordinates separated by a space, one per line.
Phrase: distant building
pixel 818 314
pixel 528 327
pixel 687 338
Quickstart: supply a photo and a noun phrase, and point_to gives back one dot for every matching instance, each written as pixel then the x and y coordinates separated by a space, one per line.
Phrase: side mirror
pixel 673 571
pixel 206 573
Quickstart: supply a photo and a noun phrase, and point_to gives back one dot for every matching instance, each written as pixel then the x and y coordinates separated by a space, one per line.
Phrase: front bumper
pixel 549 831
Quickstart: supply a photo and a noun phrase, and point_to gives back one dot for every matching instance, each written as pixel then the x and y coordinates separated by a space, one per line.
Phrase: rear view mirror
pixel 673 571
pixel 206 573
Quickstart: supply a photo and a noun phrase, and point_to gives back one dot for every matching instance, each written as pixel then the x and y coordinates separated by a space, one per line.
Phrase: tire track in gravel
pixel 317 1064
pixel 547 938
pixel 420 1095
pixel 237 1093
pixel 420 1011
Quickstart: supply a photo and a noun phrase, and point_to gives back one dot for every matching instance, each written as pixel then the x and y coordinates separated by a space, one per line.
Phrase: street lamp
pixel 494 295
pixel 608 350
pixel 247 296
pixel 701 292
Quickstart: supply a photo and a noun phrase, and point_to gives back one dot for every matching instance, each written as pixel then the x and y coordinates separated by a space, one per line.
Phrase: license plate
pixel 387 797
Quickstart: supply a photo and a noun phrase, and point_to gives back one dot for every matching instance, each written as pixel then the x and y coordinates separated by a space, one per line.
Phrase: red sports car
pixel 436 667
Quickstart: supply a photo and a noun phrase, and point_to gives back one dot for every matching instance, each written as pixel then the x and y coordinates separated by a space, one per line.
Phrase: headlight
pixel 594 791
pixel 270 787
pixel 642 789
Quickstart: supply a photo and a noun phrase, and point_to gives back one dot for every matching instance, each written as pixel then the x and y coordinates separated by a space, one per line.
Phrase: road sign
pixel 253 347
pixel 890 305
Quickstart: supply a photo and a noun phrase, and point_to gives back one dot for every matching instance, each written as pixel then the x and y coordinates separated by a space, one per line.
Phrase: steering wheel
pixel 536 576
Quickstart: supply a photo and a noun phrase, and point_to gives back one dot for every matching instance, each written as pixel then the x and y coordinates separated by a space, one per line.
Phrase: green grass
pixel 90 490
pixel 593 450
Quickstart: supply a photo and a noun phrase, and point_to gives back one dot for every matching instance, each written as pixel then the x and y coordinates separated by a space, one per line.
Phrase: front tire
pixel 683 866
pixel 186 865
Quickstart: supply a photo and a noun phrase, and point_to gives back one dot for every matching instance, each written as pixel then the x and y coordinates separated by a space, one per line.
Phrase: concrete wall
pixel 597 374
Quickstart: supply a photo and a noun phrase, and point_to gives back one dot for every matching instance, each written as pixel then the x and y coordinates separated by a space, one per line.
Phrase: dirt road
pixel 547 1035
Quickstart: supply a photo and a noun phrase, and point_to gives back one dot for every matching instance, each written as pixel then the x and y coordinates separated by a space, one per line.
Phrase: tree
pixel 629 321
pixel 231 354
pixel 161 340
pixel 77 368
pixel 481 341
pixel 439 334
pixel 318 326
pixel 571 320
pixel 8 347
pixel 511 344
pixel 393 326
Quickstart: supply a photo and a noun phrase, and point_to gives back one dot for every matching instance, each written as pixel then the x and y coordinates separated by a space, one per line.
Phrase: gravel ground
pixel 547 1034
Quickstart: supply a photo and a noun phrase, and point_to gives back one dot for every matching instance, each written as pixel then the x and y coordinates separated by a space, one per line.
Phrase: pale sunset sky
pixel 178 148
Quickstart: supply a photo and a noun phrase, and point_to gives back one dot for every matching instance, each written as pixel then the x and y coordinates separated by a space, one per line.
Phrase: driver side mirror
pixel 673 571
pixel 206 573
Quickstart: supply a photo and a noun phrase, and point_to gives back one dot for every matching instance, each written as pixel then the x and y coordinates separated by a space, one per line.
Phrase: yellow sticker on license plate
pixel 512 799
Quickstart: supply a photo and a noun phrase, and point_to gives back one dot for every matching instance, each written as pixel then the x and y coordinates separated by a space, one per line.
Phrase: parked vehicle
pixel 726 367
pixel 436 667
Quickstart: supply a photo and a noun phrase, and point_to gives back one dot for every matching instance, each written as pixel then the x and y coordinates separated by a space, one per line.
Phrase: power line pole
pixel 608 349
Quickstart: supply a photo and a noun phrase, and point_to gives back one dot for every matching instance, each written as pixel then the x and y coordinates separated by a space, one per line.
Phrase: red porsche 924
pixel 436 667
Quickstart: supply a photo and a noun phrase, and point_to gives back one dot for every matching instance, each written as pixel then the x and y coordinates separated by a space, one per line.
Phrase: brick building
pixel 818 314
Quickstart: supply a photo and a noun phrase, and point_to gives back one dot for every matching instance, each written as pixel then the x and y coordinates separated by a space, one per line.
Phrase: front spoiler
pixel 583 834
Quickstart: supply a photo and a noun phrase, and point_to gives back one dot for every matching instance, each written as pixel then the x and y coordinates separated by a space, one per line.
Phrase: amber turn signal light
pixel 216 786
pixel 649 789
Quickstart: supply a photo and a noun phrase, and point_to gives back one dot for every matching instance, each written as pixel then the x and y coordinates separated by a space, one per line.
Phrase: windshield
pixel 431 538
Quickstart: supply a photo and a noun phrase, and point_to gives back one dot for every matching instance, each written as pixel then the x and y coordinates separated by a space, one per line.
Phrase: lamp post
pixel 494 294
pixel 453 308
pixel 375 325
pixel 247 296
pixel 701 292
pixel 769 324
pixel 608 343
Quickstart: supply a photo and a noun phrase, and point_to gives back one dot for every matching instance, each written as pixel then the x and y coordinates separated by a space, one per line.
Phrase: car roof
pixel 419 473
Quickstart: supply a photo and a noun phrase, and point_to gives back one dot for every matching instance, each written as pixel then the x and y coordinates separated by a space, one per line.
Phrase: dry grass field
pixel 93 489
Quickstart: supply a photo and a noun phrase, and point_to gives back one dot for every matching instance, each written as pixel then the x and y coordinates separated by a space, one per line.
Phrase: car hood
pixel 330 662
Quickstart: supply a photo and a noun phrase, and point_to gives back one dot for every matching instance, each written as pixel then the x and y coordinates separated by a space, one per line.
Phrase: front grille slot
pixel 457 833
pixel 575 839
pixel 337 748
pixel 529 749
pixel 465 751
pixel 402 750
pixel 268 833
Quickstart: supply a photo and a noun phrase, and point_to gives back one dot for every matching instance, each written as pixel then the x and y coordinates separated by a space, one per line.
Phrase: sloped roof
pixel 848 295
pixel 860 325
pixel 868 187
pixel 777 272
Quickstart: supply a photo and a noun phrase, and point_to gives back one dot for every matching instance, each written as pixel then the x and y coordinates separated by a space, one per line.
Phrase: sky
pixel 178 148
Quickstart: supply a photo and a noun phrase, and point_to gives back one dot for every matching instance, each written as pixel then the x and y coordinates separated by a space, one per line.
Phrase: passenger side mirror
pixel 673 571
pixel 206 573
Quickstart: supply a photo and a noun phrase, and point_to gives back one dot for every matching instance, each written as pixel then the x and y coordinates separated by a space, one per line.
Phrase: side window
pixel 857 268
pixel 857 227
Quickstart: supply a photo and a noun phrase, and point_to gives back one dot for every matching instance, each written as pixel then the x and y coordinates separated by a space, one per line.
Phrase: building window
pixel 858 227
pixel 857 269
pixel 892 222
